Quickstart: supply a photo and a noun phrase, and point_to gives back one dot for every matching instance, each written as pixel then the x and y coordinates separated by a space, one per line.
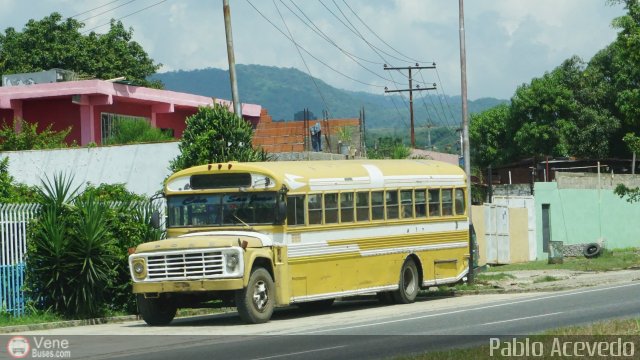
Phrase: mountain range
pixel 287 91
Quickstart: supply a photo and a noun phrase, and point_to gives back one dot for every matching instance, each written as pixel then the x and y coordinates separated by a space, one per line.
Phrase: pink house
pixel 89 107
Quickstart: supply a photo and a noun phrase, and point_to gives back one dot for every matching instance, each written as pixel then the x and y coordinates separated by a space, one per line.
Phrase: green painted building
pixel 581 208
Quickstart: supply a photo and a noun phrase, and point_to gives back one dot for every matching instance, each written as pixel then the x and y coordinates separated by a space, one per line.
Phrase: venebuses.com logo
pixel 38 347
pixel 18 347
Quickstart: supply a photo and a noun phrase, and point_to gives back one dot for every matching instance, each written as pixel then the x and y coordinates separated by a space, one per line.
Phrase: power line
pixel 106 11
pixel 301 57
pixel 354 30
pixel 411 90
pixel 95 8
pixel 442 88
pixel 328 39
pixel 309 53
pixel 126 16
pixel 379 38
pixel 398 111
pixel 441 107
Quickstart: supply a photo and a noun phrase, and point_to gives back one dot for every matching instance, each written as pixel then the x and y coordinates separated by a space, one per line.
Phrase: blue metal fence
pixel 13 246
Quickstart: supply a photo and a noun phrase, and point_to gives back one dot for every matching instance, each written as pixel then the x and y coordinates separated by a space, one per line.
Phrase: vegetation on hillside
pixel 286 91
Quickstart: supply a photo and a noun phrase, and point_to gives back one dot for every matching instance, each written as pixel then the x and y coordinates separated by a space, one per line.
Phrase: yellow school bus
pixel 266 234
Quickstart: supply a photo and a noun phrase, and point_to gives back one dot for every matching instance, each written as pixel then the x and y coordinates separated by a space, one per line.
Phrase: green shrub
pixel 131 131
pixel 12 192
pixel 30 138
pixel 77 249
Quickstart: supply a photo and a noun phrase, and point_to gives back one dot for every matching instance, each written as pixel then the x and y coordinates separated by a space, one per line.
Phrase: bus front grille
pixel 191 265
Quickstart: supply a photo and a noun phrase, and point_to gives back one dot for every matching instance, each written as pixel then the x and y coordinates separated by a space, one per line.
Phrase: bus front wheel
pixel 255 303
pixel 156 311
pixel 408 286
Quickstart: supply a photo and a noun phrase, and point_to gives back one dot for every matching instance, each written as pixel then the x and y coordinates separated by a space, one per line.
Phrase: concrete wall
pixel 582 213
pixel 142 168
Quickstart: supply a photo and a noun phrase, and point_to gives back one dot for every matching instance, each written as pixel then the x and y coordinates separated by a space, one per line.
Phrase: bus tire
pixel 156 311
pixel 408 286
pixel 256 302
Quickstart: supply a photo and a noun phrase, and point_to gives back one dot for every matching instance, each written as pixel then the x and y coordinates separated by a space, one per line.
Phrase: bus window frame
pixel 403 205
pixel 353 208
pixel 439 212
pixel 382 205
pixel 455 202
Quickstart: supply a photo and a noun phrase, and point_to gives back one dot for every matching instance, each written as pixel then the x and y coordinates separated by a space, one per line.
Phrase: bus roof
pixel 341 174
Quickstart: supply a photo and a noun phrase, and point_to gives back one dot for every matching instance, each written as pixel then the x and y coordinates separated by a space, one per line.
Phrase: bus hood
pixel 208 239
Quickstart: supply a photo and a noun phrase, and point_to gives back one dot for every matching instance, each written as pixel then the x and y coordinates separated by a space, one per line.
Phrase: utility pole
pixel 231 58
pixel 465 133
pixel 411 90
pixel 429 126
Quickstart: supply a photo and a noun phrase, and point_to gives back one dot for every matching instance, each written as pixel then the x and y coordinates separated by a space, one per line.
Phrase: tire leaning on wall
pixel 592 250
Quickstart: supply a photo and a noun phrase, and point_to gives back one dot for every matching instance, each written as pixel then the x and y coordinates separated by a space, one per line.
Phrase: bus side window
pixel 460 208
pixel 421 203
pixel 447 202
pixel 434 202
pixel 392 204
pixel 346 207
pixel 362 204
pixel 377 205
pixel 315 209
pixel 330 208
pixel 295 210
pixel 406 201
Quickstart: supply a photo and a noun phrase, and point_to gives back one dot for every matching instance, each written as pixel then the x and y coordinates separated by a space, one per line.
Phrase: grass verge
pixel 610 260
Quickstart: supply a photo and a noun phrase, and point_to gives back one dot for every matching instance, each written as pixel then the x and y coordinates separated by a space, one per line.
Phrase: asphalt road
pixel 352 329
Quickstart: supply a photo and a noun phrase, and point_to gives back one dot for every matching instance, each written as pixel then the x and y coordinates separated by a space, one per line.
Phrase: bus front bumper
pixel 187 286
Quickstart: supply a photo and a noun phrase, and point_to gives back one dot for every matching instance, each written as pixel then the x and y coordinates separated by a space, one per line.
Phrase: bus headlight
pixel 139 268
pixel 232 261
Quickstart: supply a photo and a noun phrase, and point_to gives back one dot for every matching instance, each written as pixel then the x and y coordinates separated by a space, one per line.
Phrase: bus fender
pixel 258 257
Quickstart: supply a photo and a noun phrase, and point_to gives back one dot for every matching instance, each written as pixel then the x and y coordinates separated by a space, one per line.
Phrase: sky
pixel 508 42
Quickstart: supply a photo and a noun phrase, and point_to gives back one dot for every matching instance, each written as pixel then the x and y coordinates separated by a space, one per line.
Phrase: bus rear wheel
pixel 256 302
pixel 156 311
pixel 408 286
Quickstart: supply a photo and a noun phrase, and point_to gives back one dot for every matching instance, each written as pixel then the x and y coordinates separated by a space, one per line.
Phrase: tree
pixel 632 194
pixel 214 134
pixel 54 42
pixel 487 133
pixel 564 113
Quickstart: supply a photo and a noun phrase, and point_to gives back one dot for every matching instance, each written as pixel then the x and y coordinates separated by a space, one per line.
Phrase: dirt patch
pixel 545 280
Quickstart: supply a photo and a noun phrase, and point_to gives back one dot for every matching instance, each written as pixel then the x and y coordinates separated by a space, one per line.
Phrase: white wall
pixel 142 167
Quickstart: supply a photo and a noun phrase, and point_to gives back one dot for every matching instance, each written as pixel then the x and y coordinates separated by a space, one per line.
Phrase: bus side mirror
pixel 281 212
pixel 155 219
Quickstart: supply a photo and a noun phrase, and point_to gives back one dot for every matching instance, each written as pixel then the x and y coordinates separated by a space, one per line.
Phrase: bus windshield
pixel 222 209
